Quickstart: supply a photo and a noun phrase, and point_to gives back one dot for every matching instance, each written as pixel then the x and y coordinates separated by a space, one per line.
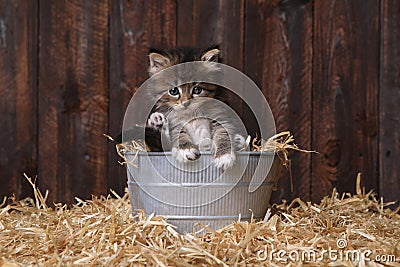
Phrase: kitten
pixel 188 114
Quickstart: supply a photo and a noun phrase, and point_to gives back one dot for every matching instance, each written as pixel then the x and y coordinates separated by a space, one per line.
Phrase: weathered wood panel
pixel 197 23
pixel 231 35
pixel 345 95
pixel 18 95
pixel 73 98
pixel 206 23
pixel 278 57
pixel 135 26
pixel 389 99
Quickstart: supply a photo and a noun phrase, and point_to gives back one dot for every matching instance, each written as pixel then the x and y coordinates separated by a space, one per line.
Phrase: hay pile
pixel 102 232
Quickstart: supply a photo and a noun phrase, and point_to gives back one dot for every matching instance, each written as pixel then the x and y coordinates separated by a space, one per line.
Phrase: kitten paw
pixel 185 155
pixel 240 142
pixel 225 161
pixel 156 120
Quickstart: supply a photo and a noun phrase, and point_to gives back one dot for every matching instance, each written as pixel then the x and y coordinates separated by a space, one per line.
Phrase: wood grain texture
pixel 389 102
pixel 278 57
pixel 73 98
pixel 198 23
pixel 345 95
pixel 18 96
pixel 135 26
pixel 206 23
pixel 231 40
pixel 231 35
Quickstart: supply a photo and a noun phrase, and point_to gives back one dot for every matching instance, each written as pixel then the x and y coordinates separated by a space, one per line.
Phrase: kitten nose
pixel 186 103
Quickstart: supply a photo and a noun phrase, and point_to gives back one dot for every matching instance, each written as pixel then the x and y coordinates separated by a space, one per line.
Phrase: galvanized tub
pixel 197 191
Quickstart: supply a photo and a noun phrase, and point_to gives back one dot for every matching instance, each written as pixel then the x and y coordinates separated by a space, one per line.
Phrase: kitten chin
pixel 191 116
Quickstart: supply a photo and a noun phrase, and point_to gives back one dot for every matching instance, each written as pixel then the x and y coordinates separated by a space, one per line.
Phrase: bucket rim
pixel 169 153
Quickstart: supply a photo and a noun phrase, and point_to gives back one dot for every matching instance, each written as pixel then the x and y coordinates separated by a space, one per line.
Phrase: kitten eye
pixel 197 90
pixel 174 91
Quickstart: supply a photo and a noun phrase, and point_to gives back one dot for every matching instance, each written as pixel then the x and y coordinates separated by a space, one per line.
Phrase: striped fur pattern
pixel 190 114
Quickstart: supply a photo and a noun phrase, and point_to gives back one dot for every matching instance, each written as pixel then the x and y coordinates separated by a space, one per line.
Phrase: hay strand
pixel 102 232
pixel 281 144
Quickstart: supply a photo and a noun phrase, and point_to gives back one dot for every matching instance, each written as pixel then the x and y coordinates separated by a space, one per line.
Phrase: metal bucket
pixel 154 177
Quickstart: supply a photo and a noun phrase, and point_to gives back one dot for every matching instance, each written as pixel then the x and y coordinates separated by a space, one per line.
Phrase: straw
pixel 103 232
pixel 281 144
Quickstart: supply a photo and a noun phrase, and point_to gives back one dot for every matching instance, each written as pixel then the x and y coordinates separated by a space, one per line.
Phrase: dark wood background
pixel 329 69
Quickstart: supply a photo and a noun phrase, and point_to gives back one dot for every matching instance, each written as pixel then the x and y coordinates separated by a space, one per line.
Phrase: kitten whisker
pixel 201 118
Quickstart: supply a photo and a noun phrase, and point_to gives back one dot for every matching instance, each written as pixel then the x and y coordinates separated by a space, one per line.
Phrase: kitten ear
pixel 211 55
pixel 158 62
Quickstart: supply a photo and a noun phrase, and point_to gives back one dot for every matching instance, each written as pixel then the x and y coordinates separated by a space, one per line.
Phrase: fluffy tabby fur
pixel 188 114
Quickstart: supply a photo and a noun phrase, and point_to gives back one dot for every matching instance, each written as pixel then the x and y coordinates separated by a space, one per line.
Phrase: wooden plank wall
pixel 329 70
pixel 134 27
pixel 73 98
pixel 345 94
pixel 278 58
pixel 389 100
pixel 18 95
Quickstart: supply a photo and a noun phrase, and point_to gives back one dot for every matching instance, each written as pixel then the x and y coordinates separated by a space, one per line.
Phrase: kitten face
pixel 181 97
pixel 185 97
pixel 193 116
